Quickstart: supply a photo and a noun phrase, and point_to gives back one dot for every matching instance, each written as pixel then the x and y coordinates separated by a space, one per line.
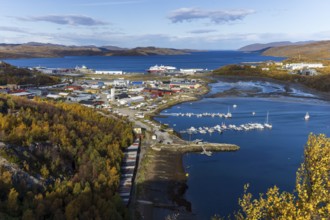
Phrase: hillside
pixel 31 50
pixel 320 82
pixel 59 161
pixel 260 47
pixel 13 75
pixel 314 50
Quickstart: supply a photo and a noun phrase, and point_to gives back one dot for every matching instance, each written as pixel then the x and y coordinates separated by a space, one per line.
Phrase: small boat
pixel 234 106
pixel 267 124
pixel 307 116
pixel 253 113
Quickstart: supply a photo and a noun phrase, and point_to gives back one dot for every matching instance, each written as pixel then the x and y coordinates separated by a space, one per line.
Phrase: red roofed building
pixel 73 88
pixel 157 92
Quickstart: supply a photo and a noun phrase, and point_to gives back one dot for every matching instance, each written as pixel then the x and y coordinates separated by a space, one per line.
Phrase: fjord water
pixel 266 157
pixel 205 60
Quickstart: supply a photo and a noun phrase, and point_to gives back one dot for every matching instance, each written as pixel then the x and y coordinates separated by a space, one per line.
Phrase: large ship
pixel 161 69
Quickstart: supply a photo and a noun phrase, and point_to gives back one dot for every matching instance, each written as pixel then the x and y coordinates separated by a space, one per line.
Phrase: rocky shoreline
pixel 162 191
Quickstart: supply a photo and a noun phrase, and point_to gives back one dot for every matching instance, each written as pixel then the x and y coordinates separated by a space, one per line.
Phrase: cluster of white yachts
pixel 200 115
pixel 223 127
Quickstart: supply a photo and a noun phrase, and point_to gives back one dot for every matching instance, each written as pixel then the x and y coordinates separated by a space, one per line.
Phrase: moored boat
pixel 307 116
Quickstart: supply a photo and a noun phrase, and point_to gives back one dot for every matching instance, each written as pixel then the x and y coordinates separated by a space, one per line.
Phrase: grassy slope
pixel 316 50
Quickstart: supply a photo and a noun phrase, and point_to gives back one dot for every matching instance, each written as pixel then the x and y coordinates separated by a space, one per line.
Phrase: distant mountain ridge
pixel 35 49
pixel 262 47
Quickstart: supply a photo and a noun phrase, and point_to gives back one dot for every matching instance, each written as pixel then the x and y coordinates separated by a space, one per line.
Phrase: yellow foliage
pixel 312 187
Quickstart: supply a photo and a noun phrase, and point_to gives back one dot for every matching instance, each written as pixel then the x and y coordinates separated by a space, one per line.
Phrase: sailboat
pixel 306 116
pixel 267 124
pixel 228 115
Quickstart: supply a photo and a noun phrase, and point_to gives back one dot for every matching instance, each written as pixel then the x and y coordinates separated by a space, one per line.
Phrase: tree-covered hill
pixel 13 75
pixel 59 161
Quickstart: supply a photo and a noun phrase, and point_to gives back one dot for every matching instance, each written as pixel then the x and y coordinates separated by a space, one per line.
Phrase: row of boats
pixel 223 127
pixel 200 115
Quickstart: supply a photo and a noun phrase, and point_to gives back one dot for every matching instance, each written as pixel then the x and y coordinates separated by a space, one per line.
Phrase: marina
pixel 200 115
pixel 223 127
pixel 267 156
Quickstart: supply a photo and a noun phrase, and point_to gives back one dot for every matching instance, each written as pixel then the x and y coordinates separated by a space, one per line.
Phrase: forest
pixel 320 82
pixel 21 76
pixel 59 161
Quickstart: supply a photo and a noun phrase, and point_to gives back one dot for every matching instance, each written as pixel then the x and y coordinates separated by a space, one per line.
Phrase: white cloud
pixel 12 29
pixel 77 20
pixel 202 31
pixel 109 3
pixel 215 16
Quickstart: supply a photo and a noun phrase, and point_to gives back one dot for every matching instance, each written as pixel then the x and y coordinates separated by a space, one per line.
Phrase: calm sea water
pixel 266 157
pixel 206 60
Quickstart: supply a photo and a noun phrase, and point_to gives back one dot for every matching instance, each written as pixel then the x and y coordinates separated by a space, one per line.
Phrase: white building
pixel 121 82
pixel 191 71
pixel 80 97
pixel 131 100
pixel 109 72
pixel 300 66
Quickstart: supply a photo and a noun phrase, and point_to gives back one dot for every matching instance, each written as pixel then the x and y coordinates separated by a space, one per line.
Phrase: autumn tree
pixel 311 199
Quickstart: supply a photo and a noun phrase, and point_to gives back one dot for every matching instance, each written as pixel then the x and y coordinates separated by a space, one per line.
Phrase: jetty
pixel 191 146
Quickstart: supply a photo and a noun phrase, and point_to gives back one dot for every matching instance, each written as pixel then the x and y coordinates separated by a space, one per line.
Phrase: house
pixel 157 92
pixel 192 71
pixel 137 83
pixel 308 72
pixel 21 94
pixel 73 88
pixel 12 86
pixel 300 66
pixel 91 104
pixel 128 101
pixel 80 97
pixel 53 96
pixel 120 83
pixel 185 85
pixel 37 92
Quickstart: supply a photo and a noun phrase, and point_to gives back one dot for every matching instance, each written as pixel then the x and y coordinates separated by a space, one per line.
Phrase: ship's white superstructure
pixel 161 69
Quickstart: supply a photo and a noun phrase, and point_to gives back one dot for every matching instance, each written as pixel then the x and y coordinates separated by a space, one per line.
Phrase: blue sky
pixel 192 24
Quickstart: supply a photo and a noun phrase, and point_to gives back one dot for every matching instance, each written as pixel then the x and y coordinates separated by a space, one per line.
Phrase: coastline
pixel 164 175
pixel 161 178
pixel 324 96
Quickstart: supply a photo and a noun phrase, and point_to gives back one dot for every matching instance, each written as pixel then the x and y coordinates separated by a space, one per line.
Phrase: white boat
pixel 267 124
pixel 307 116
pixel 234 106
pixel 228 115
